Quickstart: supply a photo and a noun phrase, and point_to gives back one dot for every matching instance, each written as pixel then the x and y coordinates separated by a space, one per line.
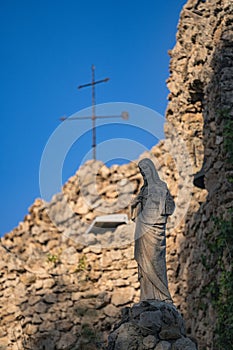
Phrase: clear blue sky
pixel 47 49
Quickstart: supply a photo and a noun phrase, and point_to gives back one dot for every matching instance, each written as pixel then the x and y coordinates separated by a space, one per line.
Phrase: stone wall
pixel 64 297
pixel 63 289
pixel 60 287
pixel 200 105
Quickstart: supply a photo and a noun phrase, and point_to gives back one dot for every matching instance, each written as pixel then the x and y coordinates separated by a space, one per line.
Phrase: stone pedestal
pixel 150 325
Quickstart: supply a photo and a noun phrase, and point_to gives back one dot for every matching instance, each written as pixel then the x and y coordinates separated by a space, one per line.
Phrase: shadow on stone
pixel 150 325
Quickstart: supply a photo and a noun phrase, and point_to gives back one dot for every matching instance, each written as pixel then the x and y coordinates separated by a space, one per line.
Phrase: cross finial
pixel 93 117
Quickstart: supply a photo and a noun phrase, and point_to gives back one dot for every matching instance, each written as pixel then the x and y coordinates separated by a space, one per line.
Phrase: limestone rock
pixel 125 338
pixel 122 297
pixel 170 332
pixel 151 320
pixel 149 325
pixel 163 345
pixel 184 344
pixel 149 342
pixel 67 341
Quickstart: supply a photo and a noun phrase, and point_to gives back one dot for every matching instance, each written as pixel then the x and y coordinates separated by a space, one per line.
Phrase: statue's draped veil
pixel 146 163
pixel 154 192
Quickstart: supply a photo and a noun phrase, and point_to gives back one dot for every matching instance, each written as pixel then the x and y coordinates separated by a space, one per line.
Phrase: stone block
pixel 163 345
pixel 4 341
pixel 50 298
pixel 63 325
pixel 40 307
pixel 31 329
pixel 151 320
pixel 170 332
pixel 28 278
pixel 66 341
pixel 150 341
pixel 111 311
pixel 127 338
pixel 122 297
pixel 184 344
pixel 47 326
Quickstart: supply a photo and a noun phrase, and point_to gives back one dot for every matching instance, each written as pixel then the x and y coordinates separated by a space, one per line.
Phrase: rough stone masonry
pixel 61 292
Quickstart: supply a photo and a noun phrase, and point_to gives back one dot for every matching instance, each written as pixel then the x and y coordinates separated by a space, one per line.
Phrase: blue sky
pixel 47 49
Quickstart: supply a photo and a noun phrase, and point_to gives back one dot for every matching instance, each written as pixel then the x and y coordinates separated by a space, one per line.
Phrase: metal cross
pixel 123 115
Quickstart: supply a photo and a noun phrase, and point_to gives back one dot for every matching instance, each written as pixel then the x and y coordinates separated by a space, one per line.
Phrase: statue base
pixel 150 324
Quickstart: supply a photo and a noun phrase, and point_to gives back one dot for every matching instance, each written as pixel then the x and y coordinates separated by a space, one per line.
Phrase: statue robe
pixel 155 204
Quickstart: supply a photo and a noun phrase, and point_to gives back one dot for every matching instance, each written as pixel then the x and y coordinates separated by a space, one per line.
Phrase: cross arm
pixel 124 115
pixel 94 83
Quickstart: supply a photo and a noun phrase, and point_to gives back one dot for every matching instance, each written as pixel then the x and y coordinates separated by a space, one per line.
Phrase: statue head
pixel 148 170
pixel 158 201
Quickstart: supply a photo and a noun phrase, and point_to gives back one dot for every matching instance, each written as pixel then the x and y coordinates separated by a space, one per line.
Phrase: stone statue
pixel 154 204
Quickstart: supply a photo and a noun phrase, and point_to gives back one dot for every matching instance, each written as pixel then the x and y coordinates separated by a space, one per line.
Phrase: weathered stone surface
pixel 150 331
pixel 64 325
pixel 50 298
pixel 123 297
pixel 31 329
pixel 126 338
pixel 149 342
pixel 28 278
pixel 163 345
pixel 36 319
pixel 111 310
pixel 184 344
pixel 200 86
pixel 151 320
pixel 4 342
pixel 33 300
pixel 170 332
pixel 66 341
pixel 40 307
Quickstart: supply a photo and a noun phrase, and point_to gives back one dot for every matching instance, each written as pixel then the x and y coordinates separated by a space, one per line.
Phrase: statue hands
pixel 133 206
